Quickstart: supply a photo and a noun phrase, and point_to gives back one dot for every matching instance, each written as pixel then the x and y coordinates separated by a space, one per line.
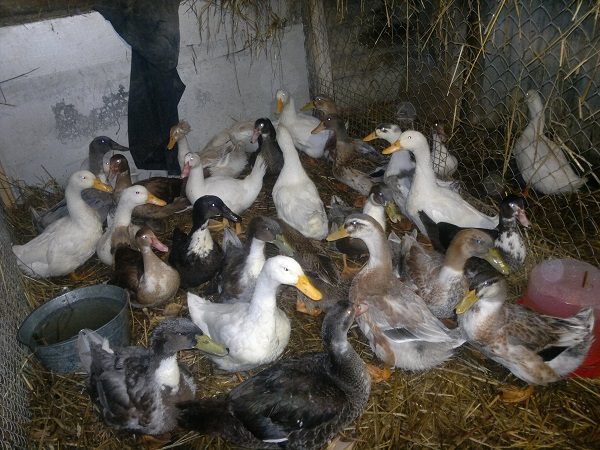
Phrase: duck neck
pixel 507 224
pixel 195 182
pixel 376 211
pixel 123 215
pixel 151 261
pixel 289 111
pixel 201 242
pixel 380 257
pixel 349 369
pixel 122 182
pixel 78 209
pixel 264 298
pixel 256 258
pixel 455 259
pixel 423 167
pixel 536 115
pixel 292 166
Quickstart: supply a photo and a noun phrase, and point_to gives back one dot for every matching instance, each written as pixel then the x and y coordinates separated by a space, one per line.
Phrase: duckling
pixel 441 204
pixel 343 155
pixel 265 134
pixel 301 402
pixel 540 160
pixel 223 155
pixel 243 263
pixel 444 163
pixel 507 236
pixel 121 225
pixel 536 348
pixel 238 195
pixel 136 388
pixel 100 201
pixel 440 280
pixel 68 242
pixel 149 280
pixel 196 256
pixel 401 330
pixel 256 332
pixel 300 126
pixel 295 195
pixel 168 189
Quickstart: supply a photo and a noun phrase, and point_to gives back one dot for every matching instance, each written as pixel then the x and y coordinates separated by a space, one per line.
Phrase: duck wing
pixel 291 396
pixel 165 188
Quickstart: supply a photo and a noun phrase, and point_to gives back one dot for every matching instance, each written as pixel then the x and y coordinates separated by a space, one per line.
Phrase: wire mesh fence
pixel 14 407
pixel 469 65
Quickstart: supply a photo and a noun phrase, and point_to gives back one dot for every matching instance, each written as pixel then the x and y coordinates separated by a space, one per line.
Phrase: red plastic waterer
pixel 562 287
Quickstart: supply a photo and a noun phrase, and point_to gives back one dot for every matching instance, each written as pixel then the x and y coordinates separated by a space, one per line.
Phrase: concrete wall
pixel 80 80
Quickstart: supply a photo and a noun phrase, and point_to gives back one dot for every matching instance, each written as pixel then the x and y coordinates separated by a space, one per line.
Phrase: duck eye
pixel 286 269
pixel 138 192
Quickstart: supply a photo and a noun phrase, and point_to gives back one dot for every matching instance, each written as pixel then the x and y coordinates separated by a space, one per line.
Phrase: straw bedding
pixel 461 404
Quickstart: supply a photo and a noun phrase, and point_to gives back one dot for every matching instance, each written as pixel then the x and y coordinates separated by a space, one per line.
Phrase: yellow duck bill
pixel 371 137
pixel 392 148
pixel 468 300
pixel 306 287
pixel 494 257
pixel 207 345
pixel 339 234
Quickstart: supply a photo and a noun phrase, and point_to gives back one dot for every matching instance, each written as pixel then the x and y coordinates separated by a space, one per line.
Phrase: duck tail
pixel 208 415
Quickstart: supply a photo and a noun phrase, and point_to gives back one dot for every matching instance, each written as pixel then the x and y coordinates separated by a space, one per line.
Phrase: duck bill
pixel 371 137
pixel 309 106
pixel 283 245
pixel 159 245
pixel 172 142
pixel 339 234
pixel 230 215
pixel 255 135
pixel 494 257
pixel 154 200
pixel 101 186
pixel 392 212
pixel 318 128
pixel 279 106
pixel 307 288
pixel 185 172
pixel 117 148
pixel 392 148
pixel 522 218
pixel 468 300
pixel 207 345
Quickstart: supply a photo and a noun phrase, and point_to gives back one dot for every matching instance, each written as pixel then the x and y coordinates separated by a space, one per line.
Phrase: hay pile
pixel 457 405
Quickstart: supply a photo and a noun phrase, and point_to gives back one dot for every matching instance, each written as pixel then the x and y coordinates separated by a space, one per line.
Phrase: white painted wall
pixel 81 59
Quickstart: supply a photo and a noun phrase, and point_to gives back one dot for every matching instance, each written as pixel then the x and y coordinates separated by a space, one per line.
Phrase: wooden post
pixel 6 193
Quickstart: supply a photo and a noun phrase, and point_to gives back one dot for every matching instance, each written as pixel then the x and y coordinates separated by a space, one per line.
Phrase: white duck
pixel 444 163
pixel 540 160
pixel 224 155
pixel 238 195
pixel 69 241
pixel 121 224
pixel 300 126
pixel 441 204
pixel 257 332
pixel 295 196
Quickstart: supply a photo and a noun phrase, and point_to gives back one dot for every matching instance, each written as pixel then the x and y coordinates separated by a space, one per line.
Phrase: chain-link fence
pixel 14 408
pixel 469 64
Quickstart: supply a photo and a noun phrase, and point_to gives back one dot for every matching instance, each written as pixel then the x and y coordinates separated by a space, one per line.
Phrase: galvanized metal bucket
pixel 51 330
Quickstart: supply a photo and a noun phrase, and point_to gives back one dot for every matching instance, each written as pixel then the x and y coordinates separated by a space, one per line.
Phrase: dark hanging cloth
pixel 151 27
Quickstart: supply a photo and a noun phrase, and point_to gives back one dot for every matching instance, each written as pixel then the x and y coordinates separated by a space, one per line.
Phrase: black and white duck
pixel 195 255
pixel 136 388
pixel 266 136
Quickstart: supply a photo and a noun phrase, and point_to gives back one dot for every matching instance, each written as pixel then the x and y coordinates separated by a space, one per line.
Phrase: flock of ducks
pixel 414 304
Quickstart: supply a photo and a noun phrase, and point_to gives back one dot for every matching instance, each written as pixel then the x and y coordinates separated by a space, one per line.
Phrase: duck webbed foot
pixel 378 375
pixel 347 271
pixel 302 308
pixel 150 442
pixel 514 394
